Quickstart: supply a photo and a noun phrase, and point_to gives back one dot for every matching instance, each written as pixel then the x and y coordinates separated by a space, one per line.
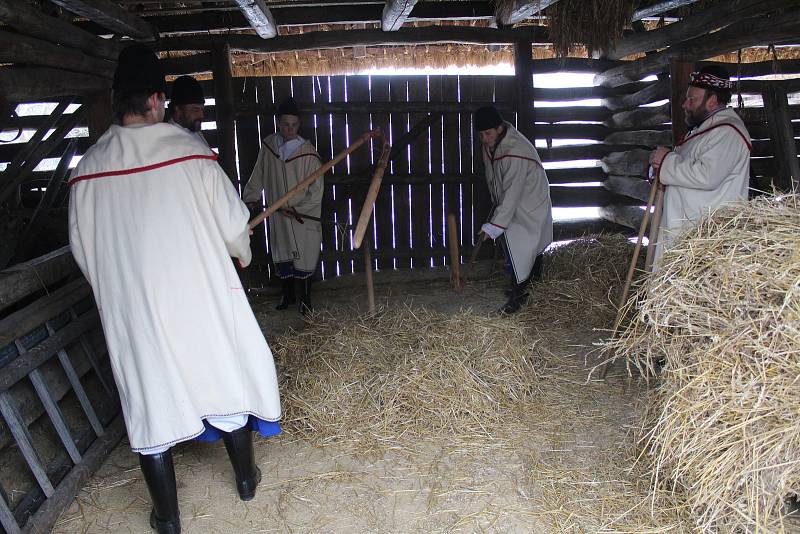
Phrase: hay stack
pixel 580 283
pixel 405 374
pixel 723 314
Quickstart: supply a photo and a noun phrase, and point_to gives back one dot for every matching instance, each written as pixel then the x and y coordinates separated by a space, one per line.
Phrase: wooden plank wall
pixel 442 169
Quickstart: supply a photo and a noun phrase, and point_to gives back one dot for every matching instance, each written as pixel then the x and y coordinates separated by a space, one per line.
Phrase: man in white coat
pixel 187 106
pixel 711 165
pixel 522 218
pixel 153 224
pixel 295 233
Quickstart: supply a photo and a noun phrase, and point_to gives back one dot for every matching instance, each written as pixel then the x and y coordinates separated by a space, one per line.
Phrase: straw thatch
pixel 722 316
pixel 407 373
pixel 598 24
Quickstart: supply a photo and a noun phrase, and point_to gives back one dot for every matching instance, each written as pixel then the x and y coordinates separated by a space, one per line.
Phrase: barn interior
pixel 409 405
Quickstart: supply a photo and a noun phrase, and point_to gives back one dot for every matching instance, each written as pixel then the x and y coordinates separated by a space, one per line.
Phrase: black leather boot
pixel 306 308
pixel 287 297
pixel 519 296
pixel 159 474
pixel 239 445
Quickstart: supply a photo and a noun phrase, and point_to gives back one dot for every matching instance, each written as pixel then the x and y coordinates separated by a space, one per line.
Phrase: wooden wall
pixel 441 169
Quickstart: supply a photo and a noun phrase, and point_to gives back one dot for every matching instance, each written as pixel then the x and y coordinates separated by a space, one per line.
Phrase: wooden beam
pixel 99 114
pixel 223 93
pixel 337 39
pixel 629 186
pixel 759 68
pixel 509 13
pixel 395 13
pixel 37 84
pixel 194 64
pixel 659 8
pixel 259 17
pixel 573 64
pixel 628 163
pixel 30 21
pixel 111 16
pixel 710 19
pixel 20 281
pixel 645 117
pixel 764 29
pixel 679 73
pixel 17 48
pixel 651 138
pixel 776 107
pixel 523 84
pixel 654 92
pixel 628 216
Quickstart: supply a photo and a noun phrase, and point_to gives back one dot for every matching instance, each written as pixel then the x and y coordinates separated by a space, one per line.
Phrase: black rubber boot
pixel 239 445
pixel 159 474
pixel 287 297
pixel 306 308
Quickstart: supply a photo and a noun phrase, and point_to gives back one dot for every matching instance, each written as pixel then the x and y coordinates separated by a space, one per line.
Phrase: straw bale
pixel 721 317
pixel 406 374
pixel 580 282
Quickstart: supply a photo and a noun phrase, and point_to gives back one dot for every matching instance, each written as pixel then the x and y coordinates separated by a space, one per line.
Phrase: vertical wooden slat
pixel 361 159
pixel 383 214
pixel 398 92
pixel 247 139
pixel 435 90
pixel 482 91
pixel 468 165
pixel 223 102
pixel 523 69
pixel 24 442
pixel 452 155
pixel 54 412
pixel 776 108
pixel 344 193
pixel 421 230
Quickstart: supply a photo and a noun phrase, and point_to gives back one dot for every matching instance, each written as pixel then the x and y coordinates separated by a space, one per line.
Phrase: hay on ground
pixel 406 373
pixel 722 314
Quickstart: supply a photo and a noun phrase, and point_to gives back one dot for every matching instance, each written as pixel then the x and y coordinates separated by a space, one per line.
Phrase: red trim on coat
pixel 698 134
pixel 497 225
pixel 145 168
pixel 302 155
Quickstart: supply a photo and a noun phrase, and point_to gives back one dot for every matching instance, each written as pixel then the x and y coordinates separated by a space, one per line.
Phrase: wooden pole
pixel 223 95
pixel 308 180
pixel 455 257
pixel 372 194
pixel 368 270
pixel 473 257
pixel 523 69
pixel 631 269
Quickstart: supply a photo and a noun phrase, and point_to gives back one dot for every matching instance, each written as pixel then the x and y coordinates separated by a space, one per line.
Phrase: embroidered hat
pixel 288 107
pixel 711 77
pixel 138 69
pixel 486 118
pixel 186 90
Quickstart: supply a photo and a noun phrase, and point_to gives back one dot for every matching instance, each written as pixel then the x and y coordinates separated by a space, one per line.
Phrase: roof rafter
pixel 259 17
pixel 660 7
pixel 395 13
pixel 112 17
pixel 507 13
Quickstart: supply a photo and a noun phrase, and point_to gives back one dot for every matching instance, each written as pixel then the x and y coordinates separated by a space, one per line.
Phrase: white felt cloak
pixel 521 196
pixel 709 168
pixel 290 240
pixel 153 223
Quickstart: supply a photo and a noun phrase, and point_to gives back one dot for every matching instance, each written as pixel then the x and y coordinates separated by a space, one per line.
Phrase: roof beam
pixel 508 13
pixel 259 17
pixel 112 17
pixel 395 13
pixel 659 7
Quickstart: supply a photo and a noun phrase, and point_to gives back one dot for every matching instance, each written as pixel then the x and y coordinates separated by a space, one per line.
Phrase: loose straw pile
pixel 722 315
pixel 580 283
pixel 406 373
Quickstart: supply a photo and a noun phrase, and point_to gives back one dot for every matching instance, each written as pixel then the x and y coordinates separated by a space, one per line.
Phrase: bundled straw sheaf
pixel 722 316
pixel 405 373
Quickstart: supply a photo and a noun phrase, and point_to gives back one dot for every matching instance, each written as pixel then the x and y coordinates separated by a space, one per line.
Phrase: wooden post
pixel 455 256
pixel 368 270
pixel 523 74
pixel 776 108
pixel 99 114
pixel 223 95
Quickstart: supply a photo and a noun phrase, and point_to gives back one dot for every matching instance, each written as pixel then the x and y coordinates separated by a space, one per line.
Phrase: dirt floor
pixel 569 472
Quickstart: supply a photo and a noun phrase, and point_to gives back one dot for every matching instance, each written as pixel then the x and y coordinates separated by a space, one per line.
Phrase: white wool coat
pixel 521 196
pixel 708 168
pixel 153 224
pixel 290 240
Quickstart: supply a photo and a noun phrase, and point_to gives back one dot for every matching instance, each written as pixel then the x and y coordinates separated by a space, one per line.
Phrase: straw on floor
pixel 721 317
pixel 404 373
